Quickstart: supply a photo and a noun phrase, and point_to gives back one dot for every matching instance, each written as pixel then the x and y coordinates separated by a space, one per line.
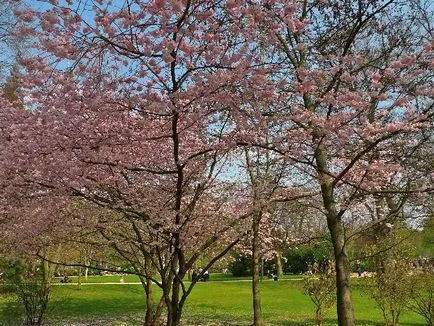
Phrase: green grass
pixel 283 304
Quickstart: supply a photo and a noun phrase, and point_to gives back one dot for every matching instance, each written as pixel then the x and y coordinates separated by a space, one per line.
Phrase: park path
pixel 210 281
pixel 354 275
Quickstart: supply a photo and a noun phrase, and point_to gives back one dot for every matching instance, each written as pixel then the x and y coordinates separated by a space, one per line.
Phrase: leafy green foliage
pixel 241 265
pixel 298 260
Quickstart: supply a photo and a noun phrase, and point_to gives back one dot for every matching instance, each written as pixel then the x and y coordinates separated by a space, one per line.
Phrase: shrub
pixel 321 289
pixel 299 260
pixel 31 287
pixel 241 265
pixel 391 290
pixel 34 295
pixel 422 296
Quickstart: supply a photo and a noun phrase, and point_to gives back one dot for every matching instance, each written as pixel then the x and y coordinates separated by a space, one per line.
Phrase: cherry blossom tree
pixel 352 81
pixel 127 112
pixel 136 106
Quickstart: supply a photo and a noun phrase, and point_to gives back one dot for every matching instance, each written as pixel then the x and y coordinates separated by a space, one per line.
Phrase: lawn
pixel 283 304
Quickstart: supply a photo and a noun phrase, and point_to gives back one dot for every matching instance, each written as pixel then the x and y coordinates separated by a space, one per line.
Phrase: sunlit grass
pixel 283 304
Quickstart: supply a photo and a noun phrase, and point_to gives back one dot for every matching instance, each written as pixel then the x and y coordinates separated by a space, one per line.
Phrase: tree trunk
pixel 174 313
pixel 319 316
pixel 256 267
pixel 279 265
pixel 36 310
pixel 149 317
pixel 343 285
pixel 79 278
pixel 335 225
pixel 46 273
pixel 153 313
pixel 395 317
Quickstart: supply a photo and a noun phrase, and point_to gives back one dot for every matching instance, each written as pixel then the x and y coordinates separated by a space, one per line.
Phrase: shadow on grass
pixel 98 306
pixel 331 321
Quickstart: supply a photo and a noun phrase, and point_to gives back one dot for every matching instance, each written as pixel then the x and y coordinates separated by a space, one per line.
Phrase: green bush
pixel 241 265
pixel 300 259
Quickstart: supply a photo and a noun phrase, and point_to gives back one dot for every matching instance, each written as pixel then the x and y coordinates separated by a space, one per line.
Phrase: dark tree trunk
pixel 256 268
pixel 175 312
pixel 153 313
pixel 343 272
pixel 149 317
pixel 335 225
